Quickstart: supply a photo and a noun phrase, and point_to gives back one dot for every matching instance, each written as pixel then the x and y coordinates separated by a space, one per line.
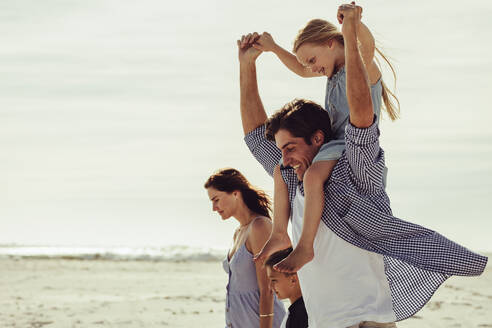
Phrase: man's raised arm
pixel 252 112
pixel 364 155
pixel 358 91
pixel 253 115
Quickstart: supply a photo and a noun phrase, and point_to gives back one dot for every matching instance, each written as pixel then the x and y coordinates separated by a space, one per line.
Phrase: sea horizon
pixel 167 253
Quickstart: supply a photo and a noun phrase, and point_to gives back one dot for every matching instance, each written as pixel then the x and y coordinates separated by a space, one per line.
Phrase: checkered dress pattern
pixel 357 209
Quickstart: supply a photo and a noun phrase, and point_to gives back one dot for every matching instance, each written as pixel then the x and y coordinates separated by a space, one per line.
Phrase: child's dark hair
pixel 277 257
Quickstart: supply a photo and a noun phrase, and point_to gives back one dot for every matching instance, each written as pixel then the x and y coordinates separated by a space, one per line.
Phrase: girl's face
pixel 222 202
pixel 320 59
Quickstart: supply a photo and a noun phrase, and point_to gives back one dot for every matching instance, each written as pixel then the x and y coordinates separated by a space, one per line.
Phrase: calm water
pixel 113 114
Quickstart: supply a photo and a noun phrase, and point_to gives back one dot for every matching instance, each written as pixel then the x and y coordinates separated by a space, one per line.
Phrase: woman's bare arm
pixel 259 234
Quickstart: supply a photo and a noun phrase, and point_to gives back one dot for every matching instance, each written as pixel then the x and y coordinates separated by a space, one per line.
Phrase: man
pixel 369 267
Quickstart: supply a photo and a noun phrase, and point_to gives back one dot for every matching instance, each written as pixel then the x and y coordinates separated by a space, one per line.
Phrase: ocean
pixel 176 253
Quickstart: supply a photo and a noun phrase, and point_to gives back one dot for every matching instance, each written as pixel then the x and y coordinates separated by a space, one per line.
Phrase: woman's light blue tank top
pixel 243 294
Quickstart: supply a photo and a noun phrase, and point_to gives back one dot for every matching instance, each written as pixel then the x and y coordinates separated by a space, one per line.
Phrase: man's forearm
pixel 367 43
pixel 281 206
pixel 252 112
pixel 358 92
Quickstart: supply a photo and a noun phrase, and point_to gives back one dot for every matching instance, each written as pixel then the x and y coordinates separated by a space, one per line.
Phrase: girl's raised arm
pixel 266 43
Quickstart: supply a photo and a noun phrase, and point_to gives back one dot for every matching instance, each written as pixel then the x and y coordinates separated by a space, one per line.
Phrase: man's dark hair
pixel 277 257
pixel 302 118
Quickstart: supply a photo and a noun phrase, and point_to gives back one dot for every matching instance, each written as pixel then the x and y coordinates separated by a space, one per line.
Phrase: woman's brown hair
pixel 229 180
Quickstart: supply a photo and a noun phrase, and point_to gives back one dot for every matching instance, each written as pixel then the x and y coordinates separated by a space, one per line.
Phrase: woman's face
pixel 222 202
pixel 320 59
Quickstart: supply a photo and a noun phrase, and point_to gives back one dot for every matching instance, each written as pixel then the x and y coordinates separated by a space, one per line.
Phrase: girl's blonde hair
pixel 319 31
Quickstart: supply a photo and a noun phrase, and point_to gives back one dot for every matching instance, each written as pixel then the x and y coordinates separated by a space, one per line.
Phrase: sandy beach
pixel 75 293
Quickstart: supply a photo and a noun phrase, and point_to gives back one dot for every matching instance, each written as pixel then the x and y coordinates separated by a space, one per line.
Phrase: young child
pixel 319 51
pixel 286 285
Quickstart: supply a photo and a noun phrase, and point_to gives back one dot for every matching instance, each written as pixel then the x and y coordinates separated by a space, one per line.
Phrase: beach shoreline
pixel 97 293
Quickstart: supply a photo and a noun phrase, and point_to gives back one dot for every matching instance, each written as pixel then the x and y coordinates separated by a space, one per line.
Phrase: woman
pixel 249 301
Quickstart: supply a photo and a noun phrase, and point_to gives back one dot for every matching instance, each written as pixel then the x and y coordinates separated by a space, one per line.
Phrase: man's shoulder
pixel 258 132
pixel 290 178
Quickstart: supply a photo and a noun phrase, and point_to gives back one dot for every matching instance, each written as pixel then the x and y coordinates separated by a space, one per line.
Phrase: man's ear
pixel 318 138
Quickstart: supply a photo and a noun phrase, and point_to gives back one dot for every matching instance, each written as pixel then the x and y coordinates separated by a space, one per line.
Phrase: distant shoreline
pixel 175 253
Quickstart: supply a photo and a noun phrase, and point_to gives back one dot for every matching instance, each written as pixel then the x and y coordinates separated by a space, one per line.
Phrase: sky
pixel 114 113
